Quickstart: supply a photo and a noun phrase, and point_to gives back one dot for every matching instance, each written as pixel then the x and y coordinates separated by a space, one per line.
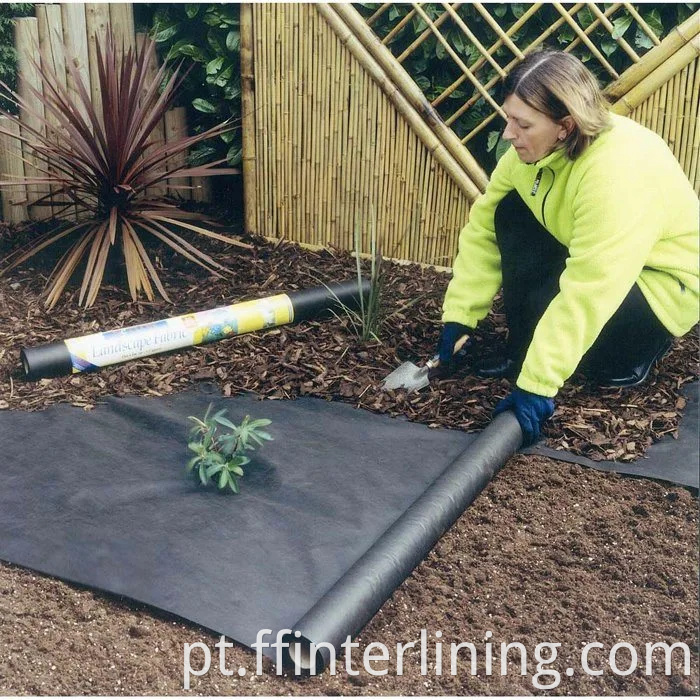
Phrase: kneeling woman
pixel 591 227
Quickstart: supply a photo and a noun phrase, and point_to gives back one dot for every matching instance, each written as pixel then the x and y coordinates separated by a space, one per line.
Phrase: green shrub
pixel 220 456
pixel 208 36
pixel 8 55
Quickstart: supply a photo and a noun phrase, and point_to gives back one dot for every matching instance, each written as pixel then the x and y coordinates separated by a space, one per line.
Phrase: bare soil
pixel 549 552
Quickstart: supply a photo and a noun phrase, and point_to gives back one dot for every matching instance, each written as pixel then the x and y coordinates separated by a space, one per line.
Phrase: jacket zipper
pixel 536 186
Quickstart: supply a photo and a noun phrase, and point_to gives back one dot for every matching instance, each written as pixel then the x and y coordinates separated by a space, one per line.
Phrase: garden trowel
pixel 414 378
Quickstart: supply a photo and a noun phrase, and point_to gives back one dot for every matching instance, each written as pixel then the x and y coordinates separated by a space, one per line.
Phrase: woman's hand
pixel 451 333
pixel 531 410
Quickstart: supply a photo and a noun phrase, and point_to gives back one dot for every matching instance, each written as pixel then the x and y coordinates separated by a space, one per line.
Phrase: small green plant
pixel 219 455
pixel 366 322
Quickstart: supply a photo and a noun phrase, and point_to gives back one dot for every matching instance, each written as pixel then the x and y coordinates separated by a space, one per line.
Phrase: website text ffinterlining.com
pixel 435 656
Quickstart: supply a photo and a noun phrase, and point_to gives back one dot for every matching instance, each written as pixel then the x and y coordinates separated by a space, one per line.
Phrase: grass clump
pixel 366 321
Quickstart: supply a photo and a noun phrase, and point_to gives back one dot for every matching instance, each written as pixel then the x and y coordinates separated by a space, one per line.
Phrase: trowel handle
pixel 434 362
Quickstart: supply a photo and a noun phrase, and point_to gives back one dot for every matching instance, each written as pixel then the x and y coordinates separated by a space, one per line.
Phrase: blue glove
pixel 451 333
pixel 531 410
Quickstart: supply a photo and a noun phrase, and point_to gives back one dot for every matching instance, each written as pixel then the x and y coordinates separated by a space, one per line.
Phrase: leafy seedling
pixel 220 454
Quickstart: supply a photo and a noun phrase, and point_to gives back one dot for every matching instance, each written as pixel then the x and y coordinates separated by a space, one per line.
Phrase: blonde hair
pixel 559 85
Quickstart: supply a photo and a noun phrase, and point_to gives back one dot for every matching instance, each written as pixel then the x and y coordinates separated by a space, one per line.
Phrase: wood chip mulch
pixel 317 358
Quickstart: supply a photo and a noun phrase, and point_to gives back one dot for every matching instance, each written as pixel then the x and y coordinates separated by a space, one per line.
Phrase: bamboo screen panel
pixel 332 153
pixel 336 126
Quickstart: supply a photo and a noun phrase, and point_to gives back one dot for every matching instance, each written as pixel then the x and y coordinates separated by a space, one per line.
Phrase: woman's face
pixel 532 133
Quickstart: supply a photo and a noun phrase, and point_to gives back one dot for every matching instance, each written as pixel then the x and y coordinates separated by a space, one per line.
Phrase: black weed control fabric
pixel 332 516
pixel 102 498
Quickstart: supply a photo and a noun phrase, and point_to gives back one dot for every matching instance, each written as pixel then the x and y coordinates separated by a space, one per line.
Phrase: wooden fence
pixel 338 136
pixel 69 31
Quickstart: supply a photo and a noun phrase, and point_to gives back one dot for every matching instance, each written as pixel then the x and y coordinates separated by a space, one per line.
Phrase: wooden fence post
pixel 121 17
pixel 96 23
pixel 53 59
pixel 175 129
pixel 158 134
pixel 248 116
pixel 76 46
pixel 11 166
pixel 27 43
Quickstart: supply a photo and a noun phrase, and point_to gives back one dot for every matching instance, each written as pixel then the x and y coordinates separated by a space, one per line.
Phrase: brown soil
pixel 549 552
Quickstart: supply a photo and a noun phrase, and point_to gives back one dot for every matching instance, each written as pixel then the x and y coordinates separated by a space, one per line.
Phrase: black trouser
pixel 532 261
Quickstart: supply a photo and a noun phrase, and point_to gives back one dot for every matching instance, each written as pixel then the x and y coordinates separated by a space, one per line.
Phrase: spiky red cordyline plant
pixel 99 169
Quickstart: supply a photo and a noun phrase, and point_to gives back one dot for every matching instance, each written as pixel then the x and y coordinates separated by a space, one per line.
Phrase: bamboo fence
pixel 69 31
pixel 331 145
pixel 588 24
pixel 337 133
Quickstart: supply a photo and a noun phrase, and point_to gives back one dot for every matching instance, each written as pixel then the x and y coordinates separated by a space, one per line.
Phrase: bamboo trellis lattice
pixel 492 59
pixel 338 134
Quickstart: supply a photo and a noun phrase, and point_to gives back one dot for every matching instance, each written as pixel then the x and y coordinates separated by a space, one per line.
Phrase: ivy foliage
pixel 434 70
pixel 207 38
pixel 8 55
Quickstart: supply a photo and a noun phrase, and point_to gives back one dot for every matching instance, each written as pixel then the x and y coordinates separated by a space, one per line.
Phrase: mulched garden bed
pixel 323 358
pixel 548 552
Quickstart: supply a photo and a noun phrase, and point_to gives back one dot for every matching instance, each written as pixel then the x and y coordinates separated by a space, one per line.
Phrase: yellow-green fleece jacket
pixel 626 213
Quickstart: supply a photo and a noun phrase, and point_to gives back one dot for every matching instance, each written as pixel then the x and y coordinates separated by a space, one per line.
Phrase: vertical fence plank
pixel 248 118
pixel 13 196
pixel 121 17
pixel 76 46
pixel 96 24
pixel 157 137
pixel 53 59
pixel 31 116
pixel 278 88
pixel 51 46
pixel 175 129
pixel 259 83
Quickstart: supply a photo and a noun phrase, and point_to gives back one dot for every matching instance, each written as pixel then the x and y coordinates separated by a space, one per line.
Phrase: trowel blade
pixel 408 376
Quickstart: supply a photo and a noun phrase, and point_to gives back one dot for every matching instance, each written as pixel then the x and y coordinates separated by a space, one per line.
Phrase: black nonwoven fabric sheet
pixel 102 498
pixel 332 515
pixel 676 460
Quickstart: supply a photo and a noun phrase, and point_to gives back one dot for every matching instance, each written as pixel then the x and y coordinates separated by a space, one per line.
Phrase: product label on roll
pixel 102 349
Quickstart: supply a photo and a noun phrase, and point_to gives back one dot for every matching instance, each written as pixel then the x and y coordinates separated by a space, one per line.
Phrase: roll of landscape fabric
pixel 359 594
pixel 90 352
